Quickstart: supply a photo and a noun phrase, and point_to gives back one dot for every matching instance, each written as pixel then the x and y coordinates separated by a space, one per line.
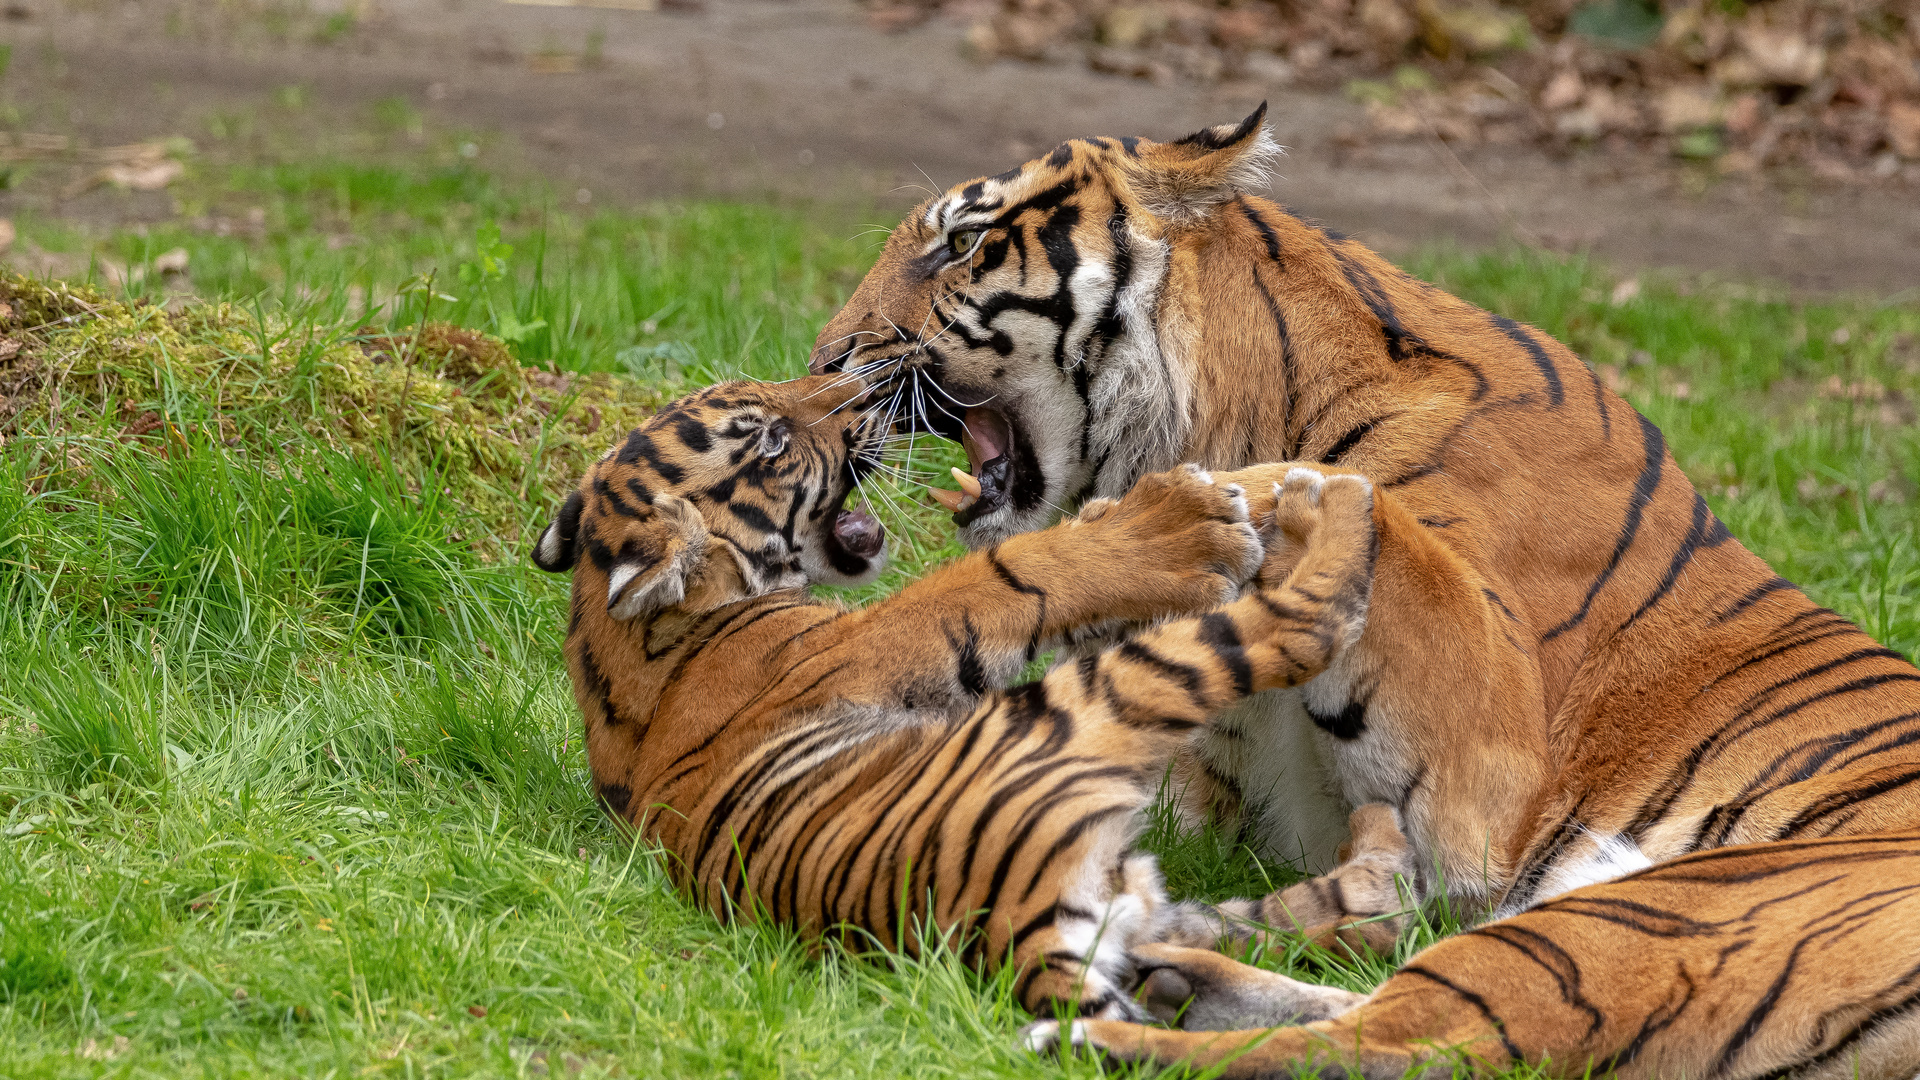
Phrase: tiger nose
pixel 837 342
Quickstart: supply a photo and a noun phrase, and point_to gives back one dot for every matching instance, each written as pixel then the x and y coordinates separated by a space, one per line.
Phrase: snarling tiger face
pixel 1018 315
pixel 731 492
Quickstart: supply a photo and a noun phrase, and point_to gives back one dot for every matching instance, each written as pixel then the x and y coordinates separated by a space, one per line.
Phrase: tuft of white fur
pixel 1043 1036
pixel 1599 858
pixel 1121 919
pixel 618 579
pixel 1253 169
pixel 1140 404
pixel 550 544
pixel 663 588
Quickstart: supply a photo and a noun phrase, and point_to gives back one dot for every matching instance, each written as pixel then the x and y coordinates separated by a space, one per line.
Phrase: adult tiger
pixel 830 768
pixel 1569 670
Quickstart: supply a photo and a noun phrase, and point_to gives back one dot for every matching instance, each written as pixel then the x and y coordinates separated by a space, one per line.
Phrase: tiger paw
pixel 1314 508
pixel 1321 542
pixel 1052 1036
pixel 1181 542
pixel 1201 990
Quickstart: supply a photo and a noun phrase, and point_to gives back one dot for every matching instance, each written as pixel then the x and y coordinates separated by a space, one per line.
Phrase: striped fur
pixel 1570 670
pixel 864 771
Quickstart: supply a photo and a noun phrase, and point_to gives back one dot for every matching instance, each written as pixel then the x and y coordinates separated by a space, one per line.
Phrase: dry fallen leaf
pixel 143 177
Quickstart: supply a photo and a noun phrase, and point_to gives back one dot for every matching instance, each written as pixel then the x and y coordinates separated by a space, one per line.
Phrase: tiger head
pixel 729 493
pixel 1020 315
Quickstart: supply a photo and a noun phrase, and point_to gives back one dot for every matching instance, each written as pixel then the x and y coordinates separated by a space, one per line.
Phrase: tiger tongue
pixel 985 437
pixel 859 532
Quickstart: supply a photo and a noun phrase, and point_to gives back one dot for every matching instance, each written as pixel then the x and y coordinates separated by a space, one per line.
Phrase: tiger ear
pixel 554 551
pixel 1182 181
pixel 653 556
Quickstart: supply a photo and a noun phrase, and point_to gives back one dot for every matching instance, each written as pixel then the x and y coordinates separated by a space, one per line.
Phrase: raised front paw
pixel 1178 541
pixel 1321 544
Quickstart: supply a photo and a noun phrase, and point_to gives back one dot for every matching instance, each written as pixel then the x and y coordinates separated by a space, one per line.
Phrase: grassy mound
pixel 435 399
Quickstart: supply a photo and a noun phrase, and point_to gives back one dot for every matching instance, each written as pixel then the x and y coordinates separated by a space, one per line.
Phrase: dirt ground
pixel 801 99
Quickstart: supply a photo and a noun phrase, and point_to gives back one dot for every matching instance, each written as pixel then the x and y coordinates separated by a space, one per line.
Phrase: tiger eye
pixel 962 242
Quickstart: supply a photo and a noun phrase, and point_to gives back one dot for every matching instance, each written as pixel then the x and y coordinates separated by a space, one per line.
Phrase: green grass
pixel 290 777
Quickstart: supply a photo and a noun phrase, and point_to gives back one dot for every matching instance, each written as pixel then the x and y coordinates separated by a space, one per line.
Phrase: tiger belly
pixel 1269 751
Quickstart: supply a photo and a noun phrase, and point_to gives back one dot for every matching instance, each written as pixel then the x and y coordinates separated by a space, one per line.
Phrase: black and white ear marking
pixel 555 551
pixel 773 438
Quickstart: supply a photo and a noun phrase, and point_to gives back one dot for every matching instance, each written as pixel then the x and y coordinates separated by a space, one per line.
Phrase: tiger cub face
pixel 731 492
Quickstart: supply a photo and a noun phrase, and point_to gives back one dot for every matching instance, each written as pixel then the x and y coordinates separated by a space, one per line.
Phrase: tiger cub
pixel 863 769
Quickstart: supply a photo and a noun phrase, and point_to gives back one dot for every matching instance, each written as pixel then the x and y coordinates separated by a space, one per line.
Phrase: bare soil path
pixel 802 99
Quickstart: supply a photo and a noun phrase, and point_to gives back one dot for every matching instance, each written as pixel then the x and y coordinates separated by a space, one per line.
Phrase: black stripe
pixel 1600 404
pixel 1697 534
pixel 1348 724
pixel 1837 627
pixel 1643 489
pixel 1556 393
pixel 1840 800
pixel 1564 968
pixel 1214 139
pixel 1494 1020
pixel 1218 633
pixel 1291 421
pixel 1012 581
pixel 1874 652
pixel 1759 592
pixel 1494 597
pixel 1266 231
pixel 969 671
pixel 1352 438
pixel 1187 676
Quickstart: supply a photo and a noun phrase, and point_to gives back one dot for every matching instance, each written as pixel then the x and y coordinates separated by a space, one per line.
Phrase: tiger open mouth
pixel 986 485
pixel 856 539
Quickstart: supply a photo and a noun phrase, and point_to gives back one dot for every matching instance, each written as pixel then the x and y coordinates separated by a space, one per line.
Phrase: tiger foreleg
pixel 1435 705
pixel 1132 706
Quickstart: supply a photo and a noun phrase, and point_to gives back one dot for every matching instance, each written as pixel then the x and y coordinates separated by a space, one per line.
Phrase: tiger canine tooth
pixel 966 481
pixel 952 500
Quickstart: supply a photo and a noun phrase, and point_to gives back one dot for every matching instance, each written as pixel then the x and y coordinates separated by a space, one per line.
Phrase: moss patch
pixel 433 400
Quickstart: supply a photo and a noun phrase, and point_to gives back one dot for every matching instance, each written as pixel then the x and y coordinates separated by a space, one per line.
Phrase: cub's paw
pixel 1053 1036
pixel 1191 540
pixel 1093 510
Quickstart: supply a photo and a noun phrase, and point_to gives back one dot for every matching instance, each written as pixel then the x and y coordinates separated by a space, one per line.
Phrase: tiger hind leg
pixel 1360 906
pixel 1789 958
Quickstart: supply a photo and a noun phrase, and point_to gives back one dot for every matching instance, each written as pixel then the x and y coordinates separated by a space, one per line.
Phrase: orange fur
pixel 1568 669
pixel 845 770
